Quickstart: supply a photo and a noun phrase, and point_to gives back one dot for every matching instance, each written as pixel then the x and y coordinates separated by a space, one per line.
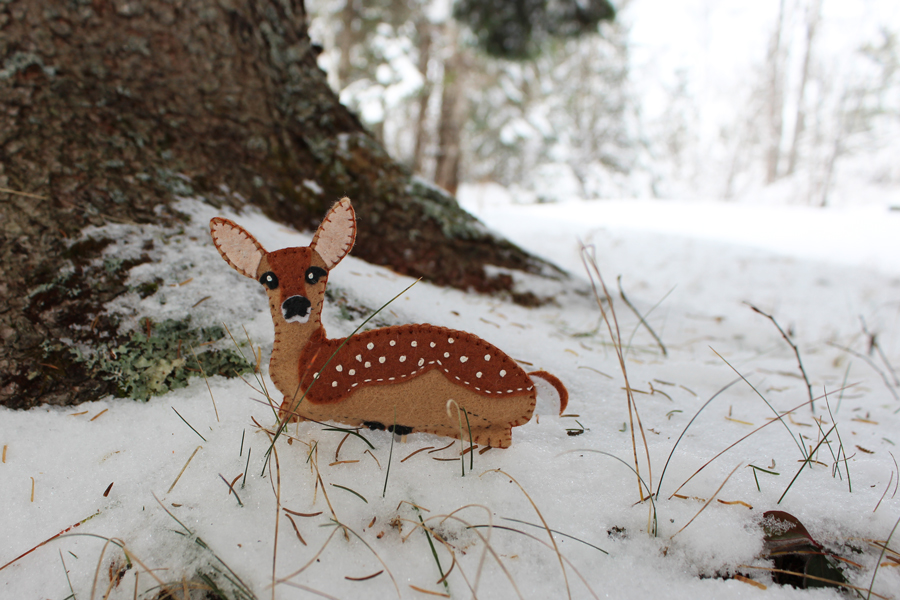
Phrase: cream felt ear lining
pixel 403 376
pixel 336 235
pixel 237 247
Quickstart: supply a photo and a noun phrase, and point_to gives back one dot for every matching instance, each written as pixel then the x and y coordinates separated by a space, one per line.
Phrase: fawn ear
pixel 336 234
pixel 237 247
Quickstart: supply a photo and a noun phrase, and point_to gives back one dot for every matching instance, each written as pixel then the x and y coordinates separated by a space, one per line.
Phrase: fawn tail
pixel 557 384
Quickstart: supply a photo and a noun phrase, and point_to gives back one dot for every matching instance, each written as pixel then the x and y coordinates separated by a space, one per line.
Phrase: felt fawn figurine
pixel 404 378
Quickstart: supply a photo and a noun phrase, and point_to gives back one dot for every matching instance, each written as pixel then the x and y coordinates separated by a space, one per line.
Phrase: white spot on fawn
pixel 446 355
pixel 334 384
pixel 487 357
pixel 381 359
pixel 315 375
pixel 421 361
pixel 463 358
pixel 432 344
pixel 402 359
pixel 368 364
pixel 339 368
pixel 414 343
pixel 393 343
pixel 478 374
pixel 352 372
pixel 359 358
pixel 370 345
pixel 502 373
pixel 450 340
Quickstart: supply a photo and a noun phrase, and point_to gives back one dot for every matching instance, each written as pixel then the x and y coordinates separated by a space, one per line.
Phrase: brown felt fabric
pixel 557 385
pixel 424 377
pixel 394 354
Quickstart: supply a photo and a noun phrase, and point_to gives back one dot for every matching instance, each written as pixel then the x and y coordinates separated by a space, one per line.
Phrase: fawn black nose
pixel 295 309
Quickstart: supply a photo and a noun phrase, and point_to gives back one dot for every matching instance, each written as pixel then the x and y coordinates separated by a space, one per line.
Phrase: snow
pixel 818 272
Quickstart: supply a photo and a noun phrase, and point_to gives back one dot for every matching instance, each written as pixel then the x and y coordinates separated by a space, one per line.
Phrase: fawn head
pixel 294 278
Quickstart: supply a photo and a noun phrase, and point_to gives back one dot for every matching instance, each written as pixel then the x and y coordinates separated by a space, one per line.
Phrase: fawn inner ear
pixel 335 236
pixel 314 274
pixel 237 246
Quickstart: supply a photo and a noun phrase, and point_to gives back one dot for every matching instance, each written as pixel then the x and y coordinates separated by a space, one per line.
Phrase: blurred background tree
pixel 485 90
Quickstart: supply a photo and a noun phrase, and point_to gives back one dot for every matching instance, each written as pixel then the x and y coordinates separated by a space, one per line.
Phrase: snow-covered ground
pixel 691 268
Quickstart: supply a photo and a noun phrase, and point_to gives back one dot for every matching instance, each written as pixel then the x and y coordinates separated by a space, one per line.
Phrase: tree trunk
pixel 812 22
pixel 775 99
pixel 346 41
pixel 110 108
pixel 423 28
pixel 446 172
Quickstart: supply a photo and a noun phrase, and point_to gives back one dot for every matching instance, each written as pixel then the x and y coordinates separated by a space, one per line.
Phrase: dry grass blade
pixel 589 261
pixel 408 456
pixel 18 193
pixel 364 578
pixel 890 481
pixel 286 579
pixel 231 489
pixel 708 502
pixel 277 514
pixel 540 541
pixel 807 576
pixel 66 571
pixel 805 462
pixel 241 588
pixel 546 527
pixel 874 345
pixel 488 548
pixel 296 529
pixel 338 451
pixel 97 570
pixel 707 463
pixel 50 539
pixel 306 588
pixel 872 364
pixel 772 408
pixel 181 472
pixel 429 592
pixel 796 350
pixel 571 537
pixel 428 535
pixel 653 529
pixel 878 562
pixel 131 555
pixel 691 422
pixel 641 318
pixel 841 450
pixel 192 427
pixel 202 372
pixel 372 550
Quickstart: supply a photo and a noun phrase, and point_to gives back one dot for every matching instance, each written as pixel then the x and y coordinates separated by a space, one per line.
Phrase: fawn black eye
pixel 269 279
pixel 314 274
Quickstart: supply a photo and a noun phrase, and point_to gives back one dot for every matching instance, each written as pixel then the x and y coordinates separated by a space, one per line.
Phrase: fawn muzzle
pixel 296 309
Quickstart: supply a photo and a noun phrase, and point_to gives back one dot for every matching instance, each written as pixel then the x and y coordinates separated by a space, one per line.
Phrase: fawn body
pixel 403 378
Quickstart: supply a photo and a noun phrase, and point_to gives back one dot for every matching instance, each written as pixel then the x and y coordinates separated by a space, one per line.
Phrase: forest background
pixel 793 101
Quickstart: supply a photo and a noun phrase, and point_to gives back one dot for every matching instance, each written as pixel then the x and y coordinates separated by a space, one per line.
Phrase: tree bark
pixel 775 99
pixel 423 29
pixel 446 172
pixel 812 21
pixel 111 108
